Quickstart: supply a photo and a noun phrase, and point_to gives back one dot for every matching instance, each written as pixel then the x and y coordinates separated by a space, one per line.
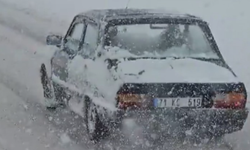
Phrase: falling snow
pixel 24 122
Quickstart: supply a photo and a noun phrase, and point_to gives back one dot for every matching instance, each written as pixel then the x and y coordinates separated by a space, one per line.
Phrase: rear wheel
pixel 95 128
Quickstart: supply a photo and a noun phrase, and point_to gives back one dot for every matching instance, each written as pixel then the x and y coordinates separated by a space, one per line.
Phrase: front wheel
pixel 48 91
pixel 95 129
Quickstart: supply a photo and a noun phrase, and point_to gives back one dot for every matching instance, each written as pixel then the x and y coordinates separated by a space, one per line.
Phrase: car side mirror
pixel 54 40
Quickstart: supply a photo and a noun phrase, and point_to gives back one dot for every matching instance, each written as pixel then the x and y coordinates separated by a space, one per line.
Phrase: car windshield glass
pixel 161 40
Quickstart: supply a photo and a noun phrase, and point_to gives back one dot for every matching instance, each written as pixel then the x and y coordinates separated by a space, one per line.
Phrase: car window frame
pixel 87 22
pixel 76 20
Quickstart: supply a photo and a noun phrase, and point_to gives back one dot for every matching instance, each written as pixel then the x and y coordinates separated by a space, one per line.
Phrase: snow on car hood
pixel 174 70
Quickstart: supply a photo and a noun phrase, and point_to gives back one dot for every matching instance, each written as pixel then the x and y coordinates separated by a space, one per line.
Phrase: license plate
pixel 178 102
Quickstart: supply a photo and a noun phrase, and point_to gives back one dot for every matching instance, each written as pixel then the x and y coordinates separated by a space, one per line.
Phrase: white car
pixel 162 70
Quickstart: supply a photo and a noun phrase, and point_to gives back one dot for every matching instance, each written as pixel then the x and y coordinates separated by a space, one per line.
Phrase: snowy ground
pixel 23 26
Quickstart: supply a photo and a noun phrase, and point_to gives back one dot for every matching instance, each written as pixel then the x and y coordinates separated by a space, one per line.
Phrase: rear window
pixel 161 40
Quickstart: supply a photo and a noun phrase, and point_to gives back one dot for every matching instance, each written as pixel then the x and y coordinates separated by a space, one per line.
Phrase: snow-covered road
pixel 26 125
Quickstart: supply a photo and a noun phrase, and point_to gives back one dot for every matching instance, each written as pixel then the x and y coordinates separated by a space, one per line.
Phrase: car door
pixel 76 74
pixel 69 49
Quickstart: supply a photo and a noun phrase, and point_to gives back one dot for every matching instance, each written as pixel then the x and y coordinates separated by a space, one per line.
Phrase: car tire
pixel 60 95
pixel 95 128
pixel 48 90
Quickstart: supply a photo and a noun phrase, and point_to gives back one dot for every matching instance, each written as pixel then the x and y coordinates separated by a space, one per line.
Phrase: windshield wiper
pixel 141 72
pixel 173 57
pixel 132 74
pixel 135 58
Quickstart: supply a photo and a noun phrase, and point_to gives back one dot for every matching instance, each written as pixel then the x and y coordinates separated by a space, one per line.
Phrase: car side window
pixel 73 39
pixel 77 31
pixel 90 41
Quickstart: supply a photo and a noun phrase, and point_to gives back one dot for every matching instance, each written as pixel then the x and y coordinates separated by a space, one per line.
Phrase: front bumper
pixel 214 122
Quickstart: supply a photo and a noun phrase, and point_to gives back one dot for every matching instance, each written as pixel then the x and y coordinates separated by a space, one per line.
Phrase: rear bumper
pixel 181 120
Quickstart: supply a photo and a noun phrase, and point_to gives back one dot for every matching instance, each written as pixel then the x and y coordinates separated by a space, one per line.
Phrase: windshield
pixel 161 40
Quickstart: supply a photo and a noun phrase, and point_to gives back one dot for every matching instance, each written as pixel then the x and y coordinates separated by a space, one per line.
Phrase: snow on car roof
pixel 109 14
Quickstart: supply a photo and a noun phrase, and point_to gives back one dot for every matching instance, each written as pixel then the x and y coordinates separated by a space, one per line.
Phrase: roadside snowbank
pixel 30 23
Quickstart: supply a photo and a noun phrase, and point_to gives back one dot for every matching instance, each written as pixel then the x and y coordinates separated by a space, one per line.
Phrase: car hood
pixel 174 71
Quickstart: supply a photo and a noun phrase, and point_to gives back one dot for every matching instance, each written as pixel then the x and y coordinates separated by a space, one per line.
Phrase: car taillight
pixel 132 101
pixel 231 100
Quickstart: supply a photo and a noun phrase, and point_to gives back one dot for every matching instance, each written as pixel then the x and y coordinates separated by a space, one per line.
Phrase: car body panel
pixel 59 64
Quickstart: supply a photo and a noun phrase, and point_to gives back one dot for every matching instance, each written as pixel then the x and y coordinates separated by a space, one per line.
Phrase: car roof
pixel 110 14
